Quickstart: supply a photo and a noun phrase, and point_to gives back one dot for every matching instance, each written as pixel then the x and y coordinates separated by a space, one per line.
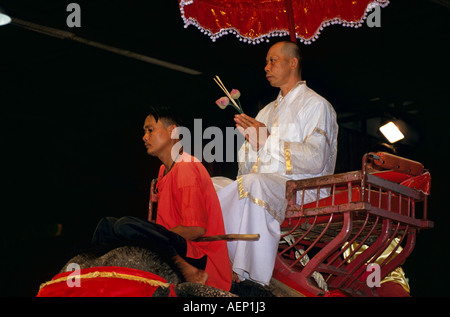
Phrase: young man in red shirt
pixel 188 208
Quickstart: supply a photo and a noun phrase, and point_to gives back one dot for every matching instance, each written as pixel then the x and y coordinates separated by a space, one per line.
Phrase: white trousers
pixel 252 260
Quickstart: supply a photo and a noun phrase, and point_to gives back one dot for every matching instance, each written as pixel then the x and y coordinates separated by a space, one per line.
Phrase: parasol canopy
pixel 256 21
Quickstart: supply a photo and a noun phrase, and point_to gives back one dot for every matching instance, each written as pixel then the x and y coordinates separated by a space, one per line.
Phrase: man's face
pixel 278 69
pixel 157 137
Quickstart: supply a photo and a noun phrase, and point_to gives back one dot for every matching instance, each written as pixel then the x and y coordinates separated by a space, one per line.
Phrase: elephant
pixel 135 256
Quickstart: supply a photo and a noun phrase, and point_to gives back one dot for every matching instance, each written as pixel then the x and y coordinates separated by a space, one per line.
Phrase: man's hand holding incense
pixel 255 132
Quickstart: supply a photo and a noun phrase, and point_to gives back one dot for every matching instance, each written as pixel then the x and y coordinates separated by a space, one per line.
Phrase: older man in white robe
pixel 293 137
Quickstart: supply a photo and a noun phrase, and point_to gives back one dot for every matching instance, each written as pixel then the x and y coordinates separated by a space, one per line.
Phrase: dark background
pixel 71 116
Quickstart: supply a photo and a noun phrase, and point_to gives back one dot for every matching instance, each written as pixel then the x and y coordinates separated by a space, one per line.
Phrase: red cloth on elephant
pixel 186 196
pixel 106 281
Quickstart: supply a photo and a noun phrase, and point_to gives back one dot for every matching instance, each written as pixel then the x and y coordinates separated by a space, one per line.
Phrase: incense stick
pixel 222 86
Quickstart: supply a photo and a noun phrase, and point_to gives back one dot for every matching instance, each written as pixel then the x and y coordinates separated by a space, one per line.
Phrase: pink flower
pixel 235 94
pixel 223 102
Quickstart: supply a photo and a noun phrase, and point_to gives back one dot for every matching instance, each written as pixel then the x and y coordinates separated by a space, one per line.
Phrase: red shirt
pixel 186 196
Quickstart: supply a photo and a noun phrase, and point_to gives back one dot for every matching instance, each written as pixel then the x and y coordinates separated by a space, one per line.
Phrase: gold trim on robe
pixel 319 131
pixel 287 157
pixel 255 168
pixel 259 202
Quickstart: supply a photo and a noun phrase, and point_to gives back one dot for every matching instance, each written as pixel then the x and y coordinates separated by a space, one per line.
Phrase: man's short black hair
pixel 167 114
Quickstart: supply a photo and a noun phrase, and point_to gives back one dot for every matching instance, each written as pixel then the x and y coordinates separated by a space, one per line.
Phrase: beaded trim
pixel 276 33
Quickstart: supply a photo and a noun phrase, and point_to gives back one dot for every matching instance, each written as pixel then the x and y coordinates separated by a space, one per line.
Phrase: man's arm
pixel 304 156
pixel 311 154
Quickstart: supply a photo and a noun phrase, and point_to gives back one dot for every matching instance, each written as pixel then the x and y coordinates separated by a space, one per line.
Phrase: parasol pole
pixel 290 18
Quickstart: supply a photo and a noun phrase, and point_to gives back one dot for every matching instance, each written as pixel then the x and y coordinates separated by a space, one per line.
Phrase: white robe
pixel 302 144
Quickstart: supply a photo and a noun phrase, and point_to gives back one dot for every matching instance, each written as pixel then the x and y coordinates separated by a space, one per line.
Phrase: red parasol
pixel 255 21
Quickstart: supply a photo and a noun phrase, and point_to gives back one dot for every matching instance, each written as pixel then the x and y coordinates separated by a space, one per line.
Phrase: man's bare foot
pixel 189 272
pixel 235 278
pixel 197 276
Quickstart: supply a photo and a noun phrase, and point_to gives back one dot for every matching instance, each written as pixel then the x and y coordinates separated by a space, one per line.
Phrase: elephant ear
pixel 189 289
